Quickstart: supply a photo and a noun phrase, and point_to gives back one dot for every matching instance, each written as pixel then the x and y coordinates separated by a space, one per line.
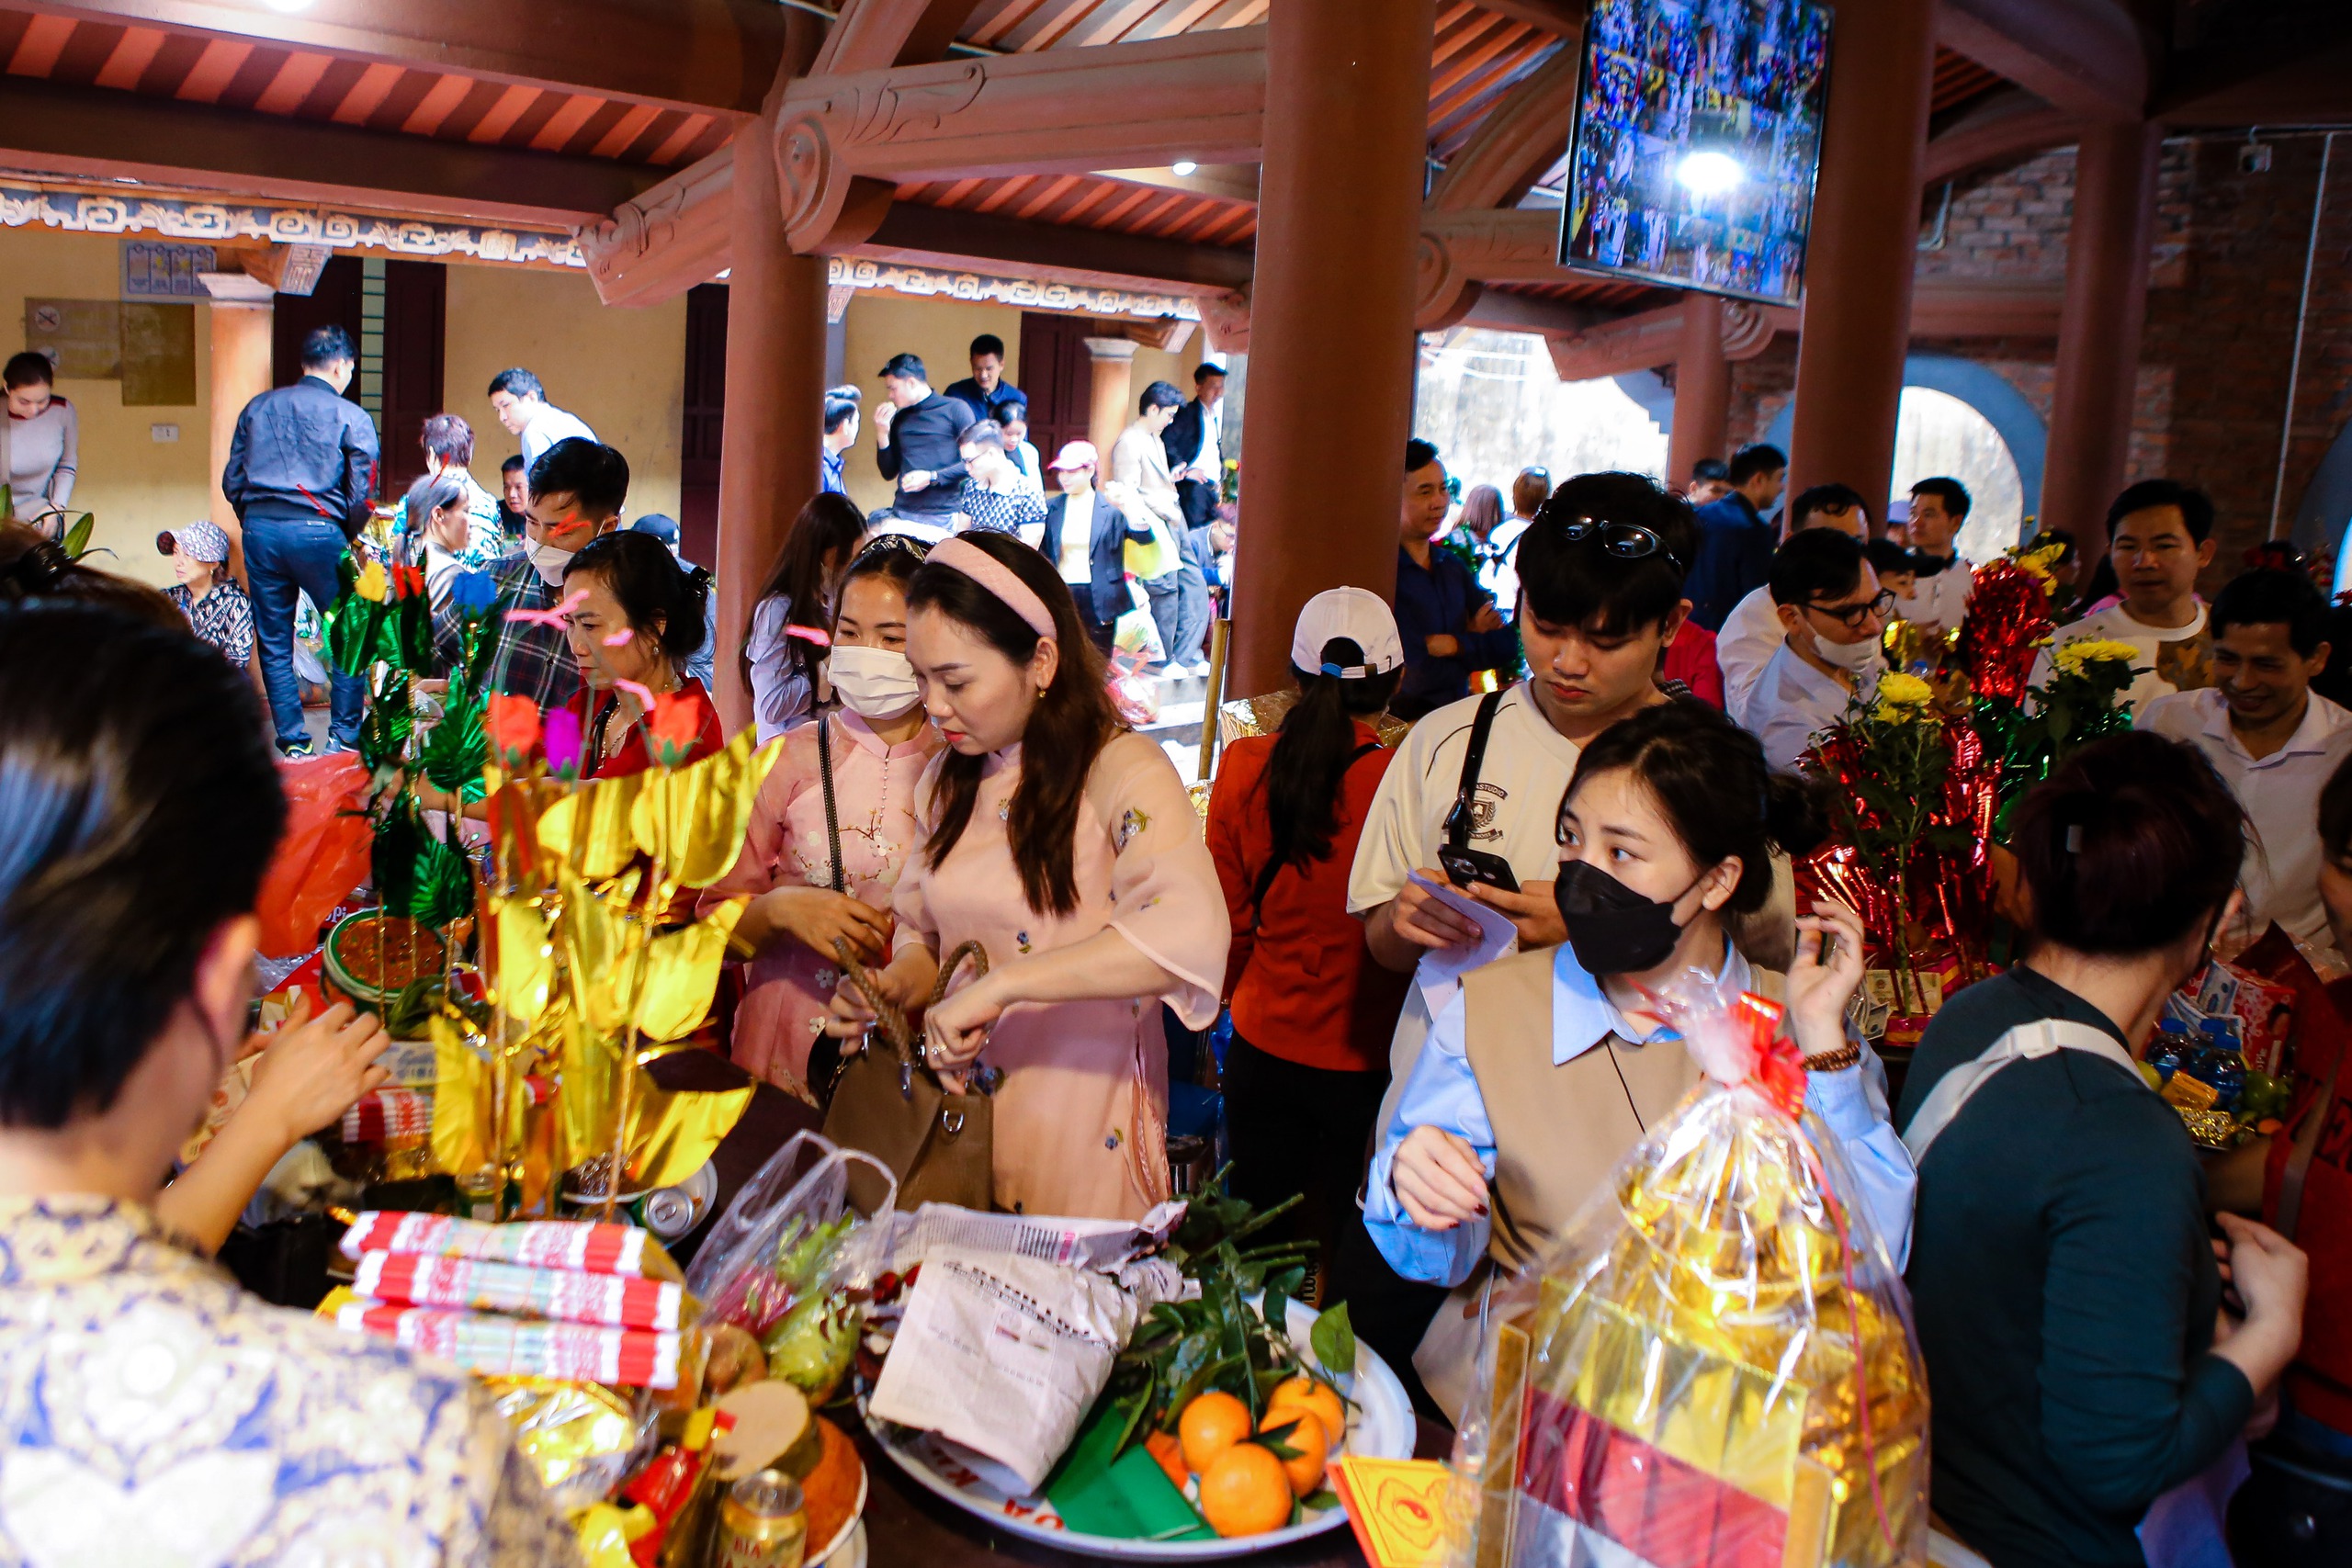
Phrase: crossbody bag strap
pixel 1464 817
pixel 2042 1037
pixel 832 824
pixel 1273 868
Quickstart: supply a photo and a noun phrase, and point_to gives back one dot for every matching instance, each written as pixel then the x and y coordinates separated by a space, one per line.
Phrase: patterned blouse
pixel 223 617
pixel 1001 511
pixel 152 1411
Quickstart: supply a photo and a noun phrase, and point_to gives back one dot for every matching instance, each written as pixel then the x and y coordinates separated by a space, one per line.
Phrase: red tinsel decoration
pixel 1948 877
pixel 2009 619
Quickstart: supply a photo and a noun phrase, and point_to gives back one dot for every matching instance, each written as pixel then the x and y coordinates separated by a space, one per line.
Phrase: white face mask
pixel 874 682
pixel 549 560
pixel 1854 657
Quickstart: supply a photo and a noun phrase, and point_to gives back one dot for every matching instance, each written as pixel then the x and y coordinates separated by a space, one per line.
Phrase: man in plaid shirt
pixel 577 488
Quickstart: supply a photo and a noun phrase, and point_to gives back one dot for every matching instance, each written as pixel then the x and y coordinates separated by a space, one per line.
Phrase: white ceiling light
pixel 1186 166
pixel 288 8
pixel 1707 172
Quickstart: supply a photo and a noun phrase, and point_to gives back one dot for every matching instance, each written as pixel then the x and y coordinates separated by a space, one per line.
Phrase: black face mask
pixel 1612 928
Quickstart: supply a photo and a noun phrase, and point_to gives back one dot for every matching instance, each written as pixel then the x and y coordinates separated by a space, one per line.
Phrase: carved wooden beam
pixel 663 242
pixel 1654 337
pixel 874 34
pixel 940 235
pixel 2003 127
pixel 2087 57
pixel 1199 95
pixel 714 55
pixel 1518 139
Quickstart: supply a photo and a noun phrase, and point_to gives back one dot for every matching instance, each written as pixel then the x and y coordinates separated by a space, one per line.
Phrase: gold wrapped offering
pixel 1715 1367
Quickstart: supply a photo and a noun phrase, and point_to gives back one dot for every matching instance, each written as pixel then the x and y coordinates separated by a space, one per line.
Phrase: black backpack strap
pixel 1273 868
pixel 1464 817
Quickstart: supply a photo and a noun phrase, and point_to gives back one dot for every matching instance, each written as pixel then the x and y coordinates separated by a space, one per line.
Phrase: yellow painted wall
pixel 136 486
pixel 941 330
pixel 622 370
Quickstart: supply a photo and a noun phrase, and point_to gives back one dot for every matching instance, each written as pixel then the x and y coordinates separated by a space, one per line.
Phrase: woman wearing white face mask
pixel 816 877
pixel 1066 847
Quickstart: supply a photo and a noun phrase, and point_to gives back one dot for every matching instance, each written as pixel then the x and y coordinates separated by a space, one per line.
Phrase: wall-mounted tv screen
pixel 1698 133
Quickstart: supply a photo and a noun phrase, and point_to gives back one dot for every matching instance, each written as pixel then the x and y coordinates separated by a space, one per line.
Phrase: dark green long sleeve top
pixel 2065 1289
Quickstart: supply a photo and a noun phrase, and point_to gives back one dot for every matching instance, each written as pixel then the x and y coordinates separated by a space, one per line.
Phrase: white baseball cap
pixel 1359 615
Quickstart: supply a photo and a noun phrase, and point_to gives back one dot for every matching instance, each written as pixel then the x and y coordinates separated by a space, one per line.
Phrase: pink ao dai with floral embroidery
pixel 874 797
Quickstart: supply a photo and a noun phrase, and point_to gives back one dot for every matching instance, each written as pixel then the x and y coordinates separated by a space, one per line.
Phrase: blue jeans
pixel 284 555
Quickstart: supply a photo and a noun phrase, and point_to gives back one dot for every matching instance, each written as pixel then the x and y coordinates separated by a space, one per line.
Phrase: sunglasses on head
pixel 1852 615
pixel 1626 541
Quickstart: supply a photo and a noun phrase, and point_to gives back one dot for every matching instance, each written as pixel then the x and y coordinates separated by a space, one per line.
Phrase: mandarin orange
pixel 1246 1492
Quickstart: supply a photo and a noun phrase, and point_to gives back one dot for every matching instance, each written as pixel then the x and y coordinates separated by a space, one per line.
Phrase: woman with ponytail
pixel 2068 1299
pixel 1311 1013
pixel 1547 1067
pixel 1068 848
pixel 832 830
pixel 786 642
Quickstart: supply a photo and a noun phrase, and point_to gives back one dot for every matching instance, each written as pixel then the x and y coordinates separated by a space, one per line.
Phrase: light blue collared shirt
pixel 1443 1092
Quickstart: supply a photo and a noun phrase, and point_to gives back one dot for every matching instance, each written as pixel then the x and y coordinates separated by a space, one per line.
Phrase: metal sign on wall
pixel 157 269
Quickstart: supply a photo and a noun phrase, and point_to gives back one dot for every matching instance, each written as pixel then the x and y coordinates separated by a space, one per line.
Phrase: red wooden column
pixel 776 392
pixel 1701 389
pixel 2098 330
pixel 1856 322
pixel 1331 319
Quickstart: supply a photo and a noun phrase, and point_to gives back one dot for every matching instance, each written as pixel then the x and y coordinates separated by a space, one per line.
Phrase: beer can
pixel 761 1523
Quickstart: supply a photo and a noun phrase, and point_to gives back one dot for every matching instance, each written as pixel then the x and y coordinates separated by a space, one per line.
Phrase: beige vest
pixel 1559 1131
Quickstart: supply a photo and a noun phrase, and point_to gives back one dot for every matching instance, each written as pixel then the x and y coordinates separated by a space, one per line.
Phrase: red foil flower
pixel 407 581
pixel 676 725
pixel 513 724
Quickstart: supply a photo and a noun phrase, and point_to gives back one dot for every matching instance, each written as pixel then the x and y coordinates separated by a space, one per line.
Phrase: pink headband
pixel 997 578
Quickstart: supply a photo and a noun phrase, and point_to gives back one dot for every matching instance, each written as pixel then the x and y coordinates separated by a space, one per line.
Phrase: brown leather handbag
pixel 888 1101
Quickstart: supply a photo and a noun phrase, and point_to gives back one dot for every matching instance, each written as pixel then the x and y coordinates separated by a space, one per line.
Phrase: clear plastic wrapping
pixel 1714 1366
pixel 792 1261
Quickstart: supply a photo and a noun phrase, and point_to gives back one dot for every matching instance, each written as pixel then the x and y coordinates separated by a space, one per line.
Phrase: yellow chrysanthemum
pixel 1905 692
pixel 372 585
pixel 2073 657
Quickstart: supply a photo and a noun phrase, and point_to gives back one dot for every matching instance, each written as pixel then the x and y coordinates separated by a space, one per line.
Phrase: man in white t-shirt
pixel 1832 612
pixel 2274 740
pixel 2160 534
pixel 1939 600
pixel 1596 613
pixel 1751 634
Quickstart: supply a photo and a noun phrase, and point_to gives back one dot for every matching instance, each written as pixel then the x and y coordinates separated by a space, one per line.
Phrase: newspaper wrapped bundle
pixel 1715 1367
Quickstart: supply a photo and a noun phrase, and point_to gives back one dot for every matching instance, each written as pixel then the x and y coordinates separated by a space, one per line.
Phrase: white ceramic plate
pixel 1381 1425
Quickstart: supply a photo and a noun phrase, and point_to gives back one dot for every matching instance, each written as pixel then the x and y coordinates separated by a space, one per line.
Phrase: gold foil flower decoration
pixel 373 585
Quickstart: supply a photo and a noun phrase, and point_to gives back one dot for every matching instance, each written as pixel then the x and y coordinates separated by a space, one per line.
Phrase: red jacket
pixel 1301 985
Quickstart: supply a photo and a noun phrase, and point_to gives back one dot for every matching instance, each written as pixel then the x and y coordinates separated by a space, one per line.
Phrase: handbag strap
pixel 2042 1037
pixel 832 824
pixel 1464 817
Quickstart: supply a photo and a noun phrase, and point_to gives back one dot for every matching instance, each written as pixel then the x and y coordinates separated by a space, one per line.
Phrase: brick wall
pixel 2225 269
